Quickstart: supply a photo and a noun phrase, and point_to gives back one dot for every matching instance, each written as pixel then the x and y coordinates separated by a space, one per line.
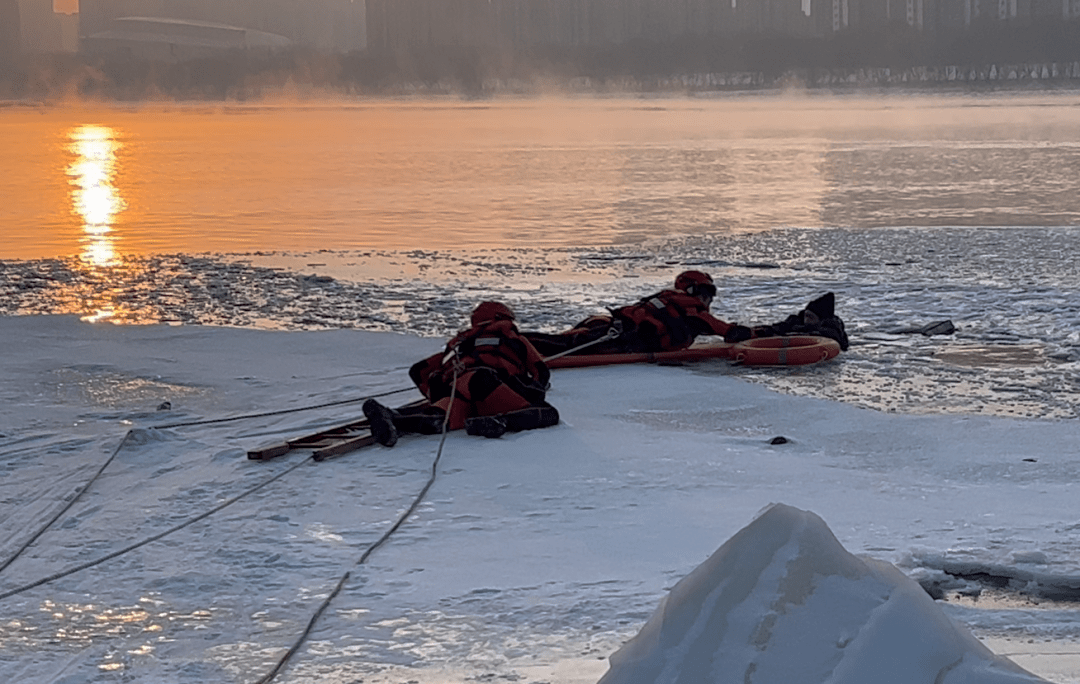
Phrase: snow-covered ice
pixel 533 558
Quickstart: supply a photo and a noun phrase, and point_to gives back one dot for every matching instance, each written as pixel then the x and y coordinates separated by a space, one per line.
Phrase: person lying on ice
pixel 818 318
pixel 497 379
pixel 671 319
pixel 665 321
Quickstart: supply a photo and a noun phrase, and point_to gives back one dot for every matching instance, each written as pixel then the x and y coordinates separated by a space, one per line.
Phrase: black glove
pixel 765 331
pixel 738 333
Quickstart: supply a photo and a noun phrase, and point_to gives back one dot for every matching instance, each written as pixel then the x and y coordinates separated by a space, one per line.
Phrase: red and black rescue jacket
pixel 492 344
pixel 668 320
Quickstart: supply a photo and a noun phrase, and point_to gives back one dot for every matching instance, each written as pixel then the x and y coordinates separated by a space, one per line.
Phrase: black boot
pixel 531 418
pixel 486 426
pixel 381 420
pixel 823 307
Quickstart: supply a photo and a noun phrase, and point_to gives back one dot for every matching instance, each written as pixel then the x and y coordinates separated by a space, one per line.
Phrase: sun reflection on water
pixel 124 631
pixel 97 201
pixel 94 196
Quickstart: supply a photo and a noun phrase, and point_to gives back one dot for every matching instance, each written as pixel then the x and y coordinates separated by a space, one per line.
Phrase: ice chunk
pixel 782 601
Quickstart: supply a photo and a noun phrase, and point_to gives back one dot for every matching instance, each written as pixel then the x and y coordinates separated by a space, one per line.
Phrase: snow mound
pixel 782 601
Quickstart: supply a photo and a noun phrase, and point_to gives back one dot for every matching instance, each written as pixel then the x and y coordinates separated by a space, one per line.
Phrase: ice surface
pixel 530 552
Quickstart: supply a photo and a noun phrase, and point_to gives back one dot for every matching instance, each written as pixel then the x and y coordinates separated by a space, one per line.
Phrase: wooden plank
pixel 326 443
pixel 267 453
pixel 313 441
pixel 343 447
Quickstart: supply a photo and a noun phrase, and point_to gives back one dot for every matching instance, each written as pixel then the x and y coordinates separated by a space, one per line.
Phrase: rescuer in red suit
pixel 490 379
pixel 665 321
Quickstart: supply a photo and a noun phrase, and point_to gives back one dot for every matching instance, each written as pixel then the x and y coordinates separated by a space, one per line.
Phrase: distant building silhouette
pixel 398 24
pixel 10 32
pixel 174 40
pixel 43 30
pixel 469 40
pixel 324 25
pixel 402 24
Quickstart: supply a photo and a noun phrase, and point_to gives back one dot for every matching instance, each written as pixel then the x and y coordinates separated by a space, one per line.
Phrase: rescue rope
pixel 78 493
pixel 280 665
pixel 82 489
pixel 612 332
pixel 284 411
pixel 160 535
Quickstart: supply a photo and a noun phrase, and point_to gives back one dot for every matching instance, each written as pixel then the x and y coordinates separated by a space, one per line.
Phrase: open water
pixel 400 215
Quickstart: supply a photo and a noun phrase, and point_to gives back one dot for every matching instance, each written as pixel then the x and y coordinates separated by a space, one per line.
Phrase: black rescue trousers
pixel 388 424
pixel 530 418
pixel 589 330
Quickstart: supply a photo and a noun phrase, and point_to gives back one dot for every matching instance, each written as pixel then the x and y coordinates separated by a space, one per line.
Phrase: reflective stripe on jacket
pixel 493 344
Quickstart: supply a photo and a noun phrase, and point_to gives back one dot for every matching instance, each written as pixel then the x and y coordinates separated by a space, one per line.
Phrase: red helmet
pixel 491 311
pixel 695 283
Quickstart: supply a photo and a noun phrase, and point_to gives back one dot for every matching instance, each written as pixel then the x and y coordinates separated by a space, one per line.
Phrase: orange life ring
pixel 796 350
